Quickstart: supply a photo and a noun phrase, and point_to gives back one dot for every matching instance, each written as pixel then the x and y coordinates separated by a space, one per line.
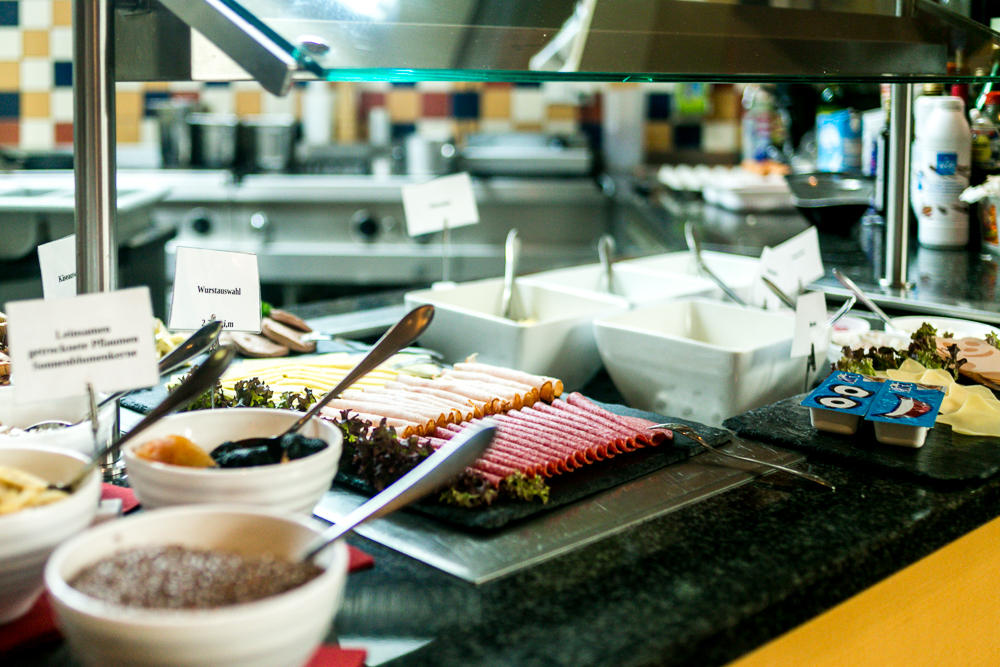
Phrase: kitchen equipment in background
pixel 213 139
pixel 172 116
pixel 526 154
pixel 832 202
pixel 425 157
pixel 269 141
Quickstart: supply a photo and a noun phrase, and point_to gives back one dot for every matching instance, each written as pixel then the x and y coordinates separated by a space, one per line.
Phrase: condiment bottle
pixel 986 140
pixel 946 161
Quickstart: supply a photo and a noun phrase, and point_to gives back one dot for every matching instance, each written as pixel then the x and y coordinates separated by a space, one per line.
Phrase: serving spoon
pixel 512 251
pixel 432 473
pixel 194 385
pixel 694 245
pixel 198 342
pixel 606 256
pixel 399 336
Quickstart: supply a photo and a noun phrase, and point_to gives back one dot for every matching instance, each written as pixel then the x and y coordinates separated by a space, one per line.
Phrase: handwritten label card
pixel 58 263
pixel 58 346
pixel 811 333
pixel 215 285
pixel 448 200
pixel 791 266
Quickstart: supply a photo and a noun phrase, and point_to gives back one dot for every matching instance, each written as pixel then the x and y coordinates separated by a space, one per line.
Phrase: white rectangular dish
pixel 737 271
pixel 638 288
pixel 550 333
pixel 700 360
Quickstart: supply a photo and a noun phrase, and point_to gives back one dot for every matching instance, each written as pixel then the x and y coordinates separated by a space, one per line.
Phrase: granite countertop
pixel 700 586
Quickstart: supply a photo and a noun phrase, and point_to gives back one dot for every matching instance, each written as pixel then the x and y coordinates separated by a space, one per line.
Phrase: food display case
pixel 657 569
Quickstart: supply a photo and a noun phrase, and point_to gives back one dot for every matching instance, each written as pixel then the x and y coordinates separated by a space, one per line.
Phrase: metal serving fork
pixel 685 430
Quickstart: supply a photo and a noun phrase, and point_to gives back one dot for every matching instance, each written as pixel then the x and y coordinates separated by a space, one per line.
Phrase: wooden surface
pixel 941 611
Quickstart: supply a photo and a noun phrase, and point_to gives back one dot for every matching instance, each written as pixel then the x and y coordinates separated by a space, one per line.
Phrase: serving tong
pixel 689 432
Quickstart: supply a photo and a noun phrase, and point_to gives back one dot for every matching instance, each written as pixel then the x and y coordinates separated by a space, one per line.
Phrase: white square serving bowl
pixel 700 360
pixel 737 271
pixel 551 332
pixel 638 288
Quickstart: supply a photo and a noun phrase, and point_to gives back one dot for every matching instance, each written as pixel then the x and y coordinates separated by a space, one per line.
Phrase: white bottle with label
pixel 945 155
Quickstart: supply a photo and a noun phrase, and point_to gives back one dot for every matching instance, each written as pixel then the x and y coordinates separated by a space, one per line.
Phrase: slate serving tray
pixel 945 456
pixel 566 488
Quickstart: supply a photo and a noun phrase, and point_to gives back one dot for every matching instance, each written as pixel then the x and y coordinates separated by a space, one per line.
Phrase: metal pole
pixel 898 206
pixel 94 146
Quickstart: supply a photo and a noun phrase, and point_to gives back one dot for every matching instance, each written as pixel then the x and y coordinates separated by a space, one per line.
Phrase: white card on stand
pixel 215 285
pixel 791 266
pixel 811 335
pixel 59 346
pixel 446 201
pixel 57 260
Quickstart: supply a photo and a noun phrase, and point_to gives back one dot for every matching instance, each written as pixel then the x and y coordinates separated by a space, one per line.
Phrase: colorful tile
pixel 61 101
pixel 658 106
pixel 64 133
pixel 465 106
pixel 435 105
pixel 10 43
pixel 127 133
pixel 35 105
pixel 9 14
pixel 62 73
pixel 687 135
pixel 35 43
pixel 36 75
pixel 248 103
pixel 659 137
pixel 129 105
pixel 62 12
pixel 562 112
pixel 10 76
pixel 496 102
pixel 10 133
pixel 10 105
pixel 403 105
pixel 527 105
pixel 370 100
pixel 36 14
pixel 720 136
pixel 37 134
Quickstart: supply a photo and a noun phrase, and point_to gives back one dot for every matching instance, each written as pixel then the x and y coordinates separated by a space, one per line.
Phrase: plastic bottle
pixel 946 161
pixel 986 140
pixel 758 124
pixel 921 107
pixel 838 133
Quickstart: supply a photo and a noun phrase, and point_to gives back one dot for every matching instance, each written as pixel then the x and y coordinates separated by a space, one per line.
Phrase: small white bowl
pixel 28 537
pixel 701 360
pixel 78 438
pixel 279 631
pixel 638 288
pixel 550 333
pixel 295 486
pixel 736 271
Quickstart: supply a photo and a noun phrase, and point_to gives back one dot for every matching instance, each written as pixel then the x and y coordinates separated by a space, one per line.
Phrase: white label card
pixel 57 260
pixel 215 285
pixel 58 346
pixel 431 206
pixel 811 333
pixel 791 266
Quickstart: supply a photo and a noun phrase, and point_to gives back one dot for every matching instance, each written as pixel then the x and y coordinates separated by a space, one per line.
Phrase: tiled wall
pixel 36 102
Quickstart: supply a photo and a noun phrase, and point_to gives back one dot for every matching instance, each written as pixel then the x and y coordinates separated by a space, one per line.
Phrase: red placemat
pixel 38 627
pixel 126 495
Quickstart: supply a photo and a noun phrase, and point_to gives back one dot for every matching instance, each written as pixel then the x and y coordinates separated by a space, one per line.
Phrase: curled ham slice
pixel 548 388
pixel 459 401
pixel 404 429
pixel 527 394
pixel 490 404
pixel 425 426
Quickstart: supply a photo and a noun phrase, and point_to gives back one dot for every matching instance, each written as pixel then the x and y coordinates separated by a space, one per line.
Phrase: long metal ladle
pixel 399 336
pixel 694 245
pixel 606 256
pixel 849 284
pixel 685 430
pixel 197 343
pixel 432 473
pixel 193 386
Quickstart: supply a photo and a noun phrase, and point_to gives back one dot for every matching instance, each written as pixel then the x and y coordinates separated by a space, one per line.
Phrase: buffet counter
pixel 883 569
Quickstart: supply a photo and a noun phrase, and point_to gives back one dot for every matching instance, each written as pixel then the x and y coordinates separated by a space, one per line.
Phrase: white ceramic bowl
pixel 294 486
pixel 961 328
pixel 551 332
pixel 700 360
pixel 638 288
pixel 78 438
pixel 736 271
pixel 28 537
pixel 280 631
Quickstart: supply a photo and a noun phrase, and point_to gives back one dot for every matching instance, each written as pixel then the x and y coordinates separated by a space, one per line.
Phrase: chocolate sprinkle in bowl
pixel 237 547
pixel 295 485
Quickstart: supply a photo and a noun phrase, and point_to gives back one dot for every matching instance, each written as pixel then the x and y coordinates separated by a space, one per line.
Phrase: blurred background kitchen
pixel 310 181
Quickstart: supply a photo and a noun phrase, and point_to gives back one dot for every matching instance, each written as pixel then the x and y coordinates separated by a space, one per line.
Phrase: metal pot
pixel 269 141
pixel 425 157
pixel 175 132
pixel 213 139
